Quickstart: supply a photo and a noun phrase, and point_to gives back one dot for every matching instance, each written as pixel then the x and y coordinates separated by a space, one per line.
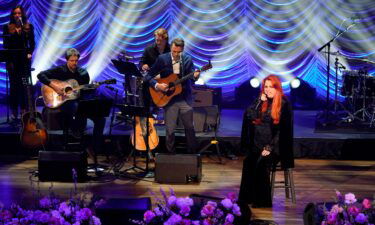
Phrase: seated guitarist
pixel 181 64
pixel 71 70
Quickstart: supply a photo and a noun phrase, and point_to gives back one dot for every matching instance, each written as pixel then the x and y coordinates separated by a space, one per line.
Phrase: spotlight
pixel 295 83
pixel 246 92
pixel 254 82
pixel 303 96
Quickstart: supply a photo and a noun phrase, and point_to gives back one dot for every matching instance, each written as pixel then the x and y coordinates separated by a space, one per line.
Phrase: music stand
pixel 140 111
pixel 129 69
pixel 88 108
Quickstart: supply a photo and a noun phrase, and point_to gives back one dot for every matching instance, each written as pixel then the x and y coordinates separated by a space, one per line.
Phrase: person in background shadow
pixel 150 54
pixel 18 34
pixel 267 136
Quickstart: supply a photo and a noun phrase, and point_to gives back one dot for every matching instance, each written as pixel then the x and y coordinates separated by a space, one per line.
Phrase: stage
pixel 345 142
pixel 317 174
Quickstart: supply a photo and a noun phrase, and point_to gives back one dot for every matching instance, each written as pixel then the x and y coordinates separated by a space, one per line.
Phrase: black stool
pixel 287 183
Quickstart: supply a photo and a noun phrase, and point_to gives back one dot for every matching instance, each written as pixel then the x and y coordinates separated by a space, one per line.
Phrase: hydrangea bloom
pixel 173 210
pixel 51 211
pixel 350 198
pixel 348 211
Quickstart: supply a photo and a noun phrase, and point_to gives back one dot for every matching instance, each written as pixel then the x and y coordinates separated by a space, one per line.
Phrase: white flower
pixel 350 198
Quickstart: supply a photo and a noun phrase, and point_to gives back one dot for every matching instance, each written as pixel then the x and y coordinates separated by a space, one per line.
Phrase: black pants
pixel 178 108
pixel 77 123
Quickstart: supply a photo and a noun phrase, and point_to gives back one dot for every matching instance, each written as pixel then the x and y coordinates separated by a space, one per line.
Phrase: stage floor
pixel 315 179
pixel 308 142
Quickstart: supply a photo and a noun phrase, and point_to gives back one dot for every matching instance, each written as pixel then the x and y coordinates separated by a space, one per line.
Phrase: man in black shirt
pixel 152 52
pixel 148 59
pixel 71 70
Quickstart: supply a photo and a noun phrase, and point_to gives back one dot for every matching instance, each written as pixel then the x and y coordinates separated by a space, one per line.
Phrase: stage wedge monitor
pixel 178 168
pixel 59 165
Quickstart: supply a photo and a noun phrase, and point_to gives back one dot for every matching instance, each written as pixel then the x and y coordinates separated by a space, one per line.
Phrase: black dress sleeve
pixel 30 36
pixel 247 130
pixel 6 38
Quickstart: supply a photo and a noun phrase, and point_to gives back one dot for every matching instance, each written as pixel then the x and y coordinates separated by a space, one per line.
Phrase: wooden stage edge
pixel 315 181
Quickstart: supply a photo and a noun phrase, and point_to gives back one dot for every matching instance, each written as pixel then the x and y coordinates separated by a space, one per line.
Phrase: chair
pixel 287 183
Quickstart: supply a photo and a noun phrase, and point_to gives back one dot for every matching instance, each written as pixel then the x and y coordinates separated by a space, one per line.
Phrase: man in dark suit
pixel 181 64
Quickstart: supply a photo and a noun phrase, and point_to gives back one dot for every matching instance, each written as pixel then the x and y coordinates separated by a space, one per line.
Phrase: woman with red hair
pixel 267 136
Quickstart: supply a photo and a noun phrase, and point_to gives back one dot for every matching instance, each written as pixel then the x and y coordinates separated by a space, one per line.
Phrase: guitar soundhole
pixel 171 89
pixel 68 90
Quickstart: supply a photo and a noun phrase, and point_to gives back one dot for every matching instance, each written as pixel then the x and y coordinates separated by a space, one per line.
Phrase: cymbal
pixel 361 60
pixel 368 61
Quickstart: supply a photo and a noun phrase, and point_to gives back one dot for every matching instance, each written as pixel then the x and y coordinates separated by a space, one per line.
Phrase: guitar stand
pixel 214 141
pixel 144 172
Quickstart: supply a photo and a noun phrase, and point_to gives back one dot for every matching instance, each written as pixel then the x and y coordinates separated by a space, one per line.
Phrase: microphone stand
pixel 328 45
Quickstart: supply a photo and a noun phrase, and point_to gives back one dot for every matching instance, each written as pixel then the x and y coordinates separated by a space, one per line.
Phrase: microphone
pixel 124 56
pixel 20 19
pixel 340 65
pixel 259 100
pixel 128 57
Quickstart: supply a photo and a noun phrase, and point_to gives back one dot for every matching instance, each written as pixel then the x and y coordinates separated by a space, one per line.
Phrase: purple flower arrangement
pixel 173 210
pixel 349 211
pixel 77 210
pixel 51 210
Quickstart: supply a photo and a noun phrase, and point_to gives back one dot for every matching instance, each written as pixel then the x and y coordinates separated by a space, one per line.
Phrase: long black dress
pixel 18 65
pixel 255 182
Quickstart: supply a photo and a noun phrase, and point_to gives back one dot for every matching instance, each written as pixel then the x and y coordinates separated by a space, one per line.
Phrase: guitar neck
pixel 88 86
pixel 95 85
pixel 184 78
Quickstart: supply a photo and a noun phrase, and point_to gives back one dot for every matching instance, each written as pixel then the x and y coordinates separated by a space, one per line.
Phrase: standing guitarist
pixel 71 70
pixel 181 64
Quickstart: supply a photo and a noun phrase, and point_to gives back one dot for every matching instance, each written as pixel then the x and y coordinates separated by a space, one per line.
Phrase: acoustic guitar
pixel 174 86
pixel 33 133
pixel 71 91
pixel 141 133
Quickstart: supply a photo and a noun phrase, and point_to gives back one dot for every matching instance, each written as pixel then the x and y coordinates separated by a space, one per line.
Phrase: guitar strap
pixel 182 71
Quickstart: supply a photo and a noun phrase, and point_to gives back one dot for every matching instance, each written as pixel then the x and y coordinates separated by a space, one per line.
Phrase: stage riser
pixel 345 149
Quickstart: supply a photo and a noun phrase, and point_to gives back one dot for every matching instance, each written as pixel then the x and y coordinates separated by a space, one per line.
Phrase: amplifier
pixel 204 96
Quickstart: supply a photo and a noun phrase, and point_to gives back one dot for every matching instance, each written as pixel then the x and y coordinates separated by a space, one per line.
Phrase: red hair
pixel 276 101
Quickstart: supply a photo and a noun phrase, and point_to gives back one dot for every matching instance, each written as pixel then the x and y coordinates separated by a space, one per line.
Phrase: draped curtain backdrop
pixel 242 38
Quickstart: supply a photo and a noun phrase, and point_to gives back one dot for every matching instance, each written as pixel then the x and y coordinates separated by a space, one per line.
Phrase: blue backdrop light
pixel 242 38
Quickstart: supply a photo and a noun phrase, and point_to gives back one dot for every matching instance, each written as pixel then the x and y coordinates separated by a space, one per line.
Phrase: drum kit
pixel 358 88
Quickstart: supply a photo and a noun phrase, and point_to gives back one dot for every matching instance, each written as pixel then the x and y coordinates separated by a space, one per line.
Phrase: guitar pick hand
pixel 161 87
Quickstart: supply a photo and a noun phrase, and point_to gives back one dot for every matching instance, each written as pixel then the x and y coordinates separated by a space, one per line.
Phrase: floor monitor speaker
pixel 178 168
pixel 59 165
